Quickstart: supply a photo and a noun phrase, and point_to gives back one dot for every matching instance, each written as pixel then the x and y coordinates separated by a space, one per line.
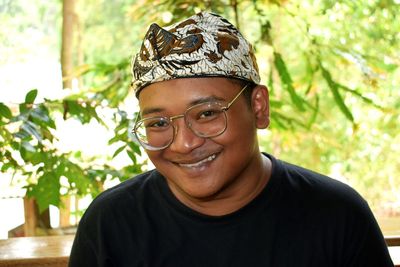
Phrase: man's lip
pixel 200 163
pixel 197 160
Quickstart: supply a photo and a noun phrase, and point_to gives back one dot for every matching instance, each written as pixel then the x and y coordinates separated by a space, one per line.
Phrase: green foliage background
pixel 332 69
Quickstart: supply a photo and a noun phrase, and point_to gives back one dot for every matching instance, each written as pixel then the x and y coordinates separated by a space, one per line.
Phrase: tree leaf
pixel 132 156
pixel 116 138
pixel 32 154
pixel 75 175
pixel 5 111
pixel 359 95
pixel 31 129
pixel 135 148
pixel 46 191
pixel 287 81
pixel 270 82
pixel 22 110
pixel 333 86
pixel 22 134
pixel 30 96
pixel 6 166
pixel 41 116
pixel 119 150
pixel 314 115
pixel 28 147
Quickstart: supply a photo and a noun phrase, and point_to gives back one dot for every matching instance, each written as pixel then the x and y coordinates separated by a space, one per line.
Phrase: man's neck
pixel 236 195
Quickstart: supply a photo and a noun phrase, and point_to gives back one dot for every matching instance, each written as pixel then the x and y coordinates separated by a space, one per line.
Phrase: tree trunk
pixel 234 5
pixel 67 42
pixel 67 64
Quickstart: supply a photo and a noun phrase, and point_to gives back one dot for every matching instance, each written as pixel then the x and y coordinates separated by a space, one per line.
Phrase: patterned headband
pixel 204 45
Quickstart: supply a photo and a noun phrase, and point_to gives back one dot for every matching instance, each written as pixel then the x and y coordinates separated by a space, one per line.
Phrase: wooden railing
pixel 393 243
pixel 53 251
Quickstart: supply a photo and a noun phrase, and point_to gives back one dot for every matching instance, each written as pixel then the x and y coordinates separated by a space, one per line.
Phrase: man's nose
pixel 185 140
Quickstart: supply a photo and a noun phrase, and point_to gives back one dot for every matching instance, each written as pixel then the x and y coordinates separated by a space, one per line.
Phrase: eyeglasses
pixel 204 120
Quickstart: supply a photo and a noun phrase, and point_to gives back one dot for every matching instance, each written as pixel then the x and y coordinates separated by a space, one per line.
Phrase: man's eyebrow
pixel 147 111
pixel 206 99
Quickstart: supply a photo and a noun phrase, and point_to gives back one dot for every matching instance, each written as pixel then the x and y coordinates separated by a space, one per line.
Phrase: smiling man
pixel 214 199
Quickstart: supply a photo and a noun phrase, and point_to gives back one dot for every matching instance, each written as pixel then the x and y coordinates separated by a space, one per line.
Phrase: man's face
pixel 199 168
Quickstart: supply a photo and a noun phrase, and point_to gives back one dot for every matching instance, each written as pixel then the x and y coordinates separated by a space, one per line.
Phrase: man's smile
pixel 199 163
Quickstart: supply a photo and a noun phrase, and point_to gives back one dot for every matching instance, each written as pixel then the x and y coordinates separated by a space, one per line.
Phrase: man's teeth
pixel 210 158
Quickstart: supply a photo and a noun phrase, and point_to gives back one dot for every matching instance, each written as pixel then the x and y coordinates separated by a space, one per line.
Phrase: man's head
pixel 195 120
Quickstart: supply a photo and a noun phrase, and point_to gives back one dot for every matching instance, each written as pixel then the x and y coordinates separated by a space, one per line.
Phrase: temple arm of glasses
pixel 233 100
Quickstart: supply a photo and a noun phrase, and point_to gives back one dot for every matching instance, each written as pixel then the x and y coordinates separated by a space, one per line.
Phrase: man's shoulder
pixel 316 189
pixel 132 185
pixel 127 194
pixel 314 207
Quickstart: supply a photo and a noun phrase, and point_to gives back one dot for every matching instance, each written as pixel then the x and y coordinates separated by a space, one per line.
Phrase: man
pixel 214 199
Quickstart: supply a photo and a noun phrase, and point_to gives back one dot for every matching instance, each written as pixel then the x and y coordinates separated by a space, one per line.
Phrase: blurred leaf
pixel 116 138
pixel 314 115
pixel 28 146
pixel 84 111
pixel 359 95
pixel 132 156
pixel 275 103
pixel 46 191
pixel 5 111
pixel 119 150
pixel 123 125
pixel 15 145
pixel 284 122
pixel 287 81
pixel 265 32
pixel 129 171
pixel 33 157
pixel 22 135
pixel 23 109
pixel 31 128
pixel 76 176
pixel 6 166
pixel 135 147
pixel 41 116
pixel 30 96
pixel 335 92
pixel 270 82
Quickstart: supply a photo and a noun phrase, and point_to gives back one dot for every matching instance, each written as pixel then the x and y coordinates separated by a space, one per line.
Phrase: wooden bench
pixel 36 251
pixel 53 251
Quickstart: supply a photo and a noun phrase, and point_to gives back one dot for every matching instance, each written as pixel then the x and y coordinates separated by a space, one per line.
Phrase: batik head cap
pixel 204 45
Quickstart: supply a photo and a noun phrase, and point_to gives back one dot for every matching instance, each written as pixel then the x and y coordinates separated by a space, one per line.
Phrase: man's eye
pixel 206 114
pixel 157 124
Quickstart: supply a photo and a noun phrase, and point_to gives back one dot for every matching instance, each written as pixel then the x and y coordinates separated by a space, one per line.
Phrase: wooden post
pixel 35 220
pixel 31 220
pixel 65 211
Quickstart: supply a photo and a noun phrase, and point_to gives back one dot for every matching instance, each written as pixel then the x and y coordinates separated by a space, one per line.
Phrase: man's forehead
pixel 161 107
pixel 184 93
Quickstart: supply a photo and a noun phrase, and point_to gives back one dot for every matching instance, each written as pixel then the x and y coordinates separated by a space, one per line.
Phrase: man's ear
pixel 260 106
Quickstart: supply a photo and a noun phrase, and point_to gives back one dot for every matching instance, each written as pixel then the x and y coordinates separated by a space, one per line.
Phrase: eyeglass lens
pixel 205 120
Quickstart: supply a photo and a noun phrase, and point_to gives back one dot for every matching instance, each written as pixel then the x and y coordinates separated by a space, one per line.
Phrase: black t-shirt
pixel 301 218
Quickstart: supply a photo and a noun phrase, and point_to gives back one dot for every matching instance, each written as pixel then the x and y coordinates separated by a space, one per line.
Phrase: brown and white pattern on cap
pixel 203 45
